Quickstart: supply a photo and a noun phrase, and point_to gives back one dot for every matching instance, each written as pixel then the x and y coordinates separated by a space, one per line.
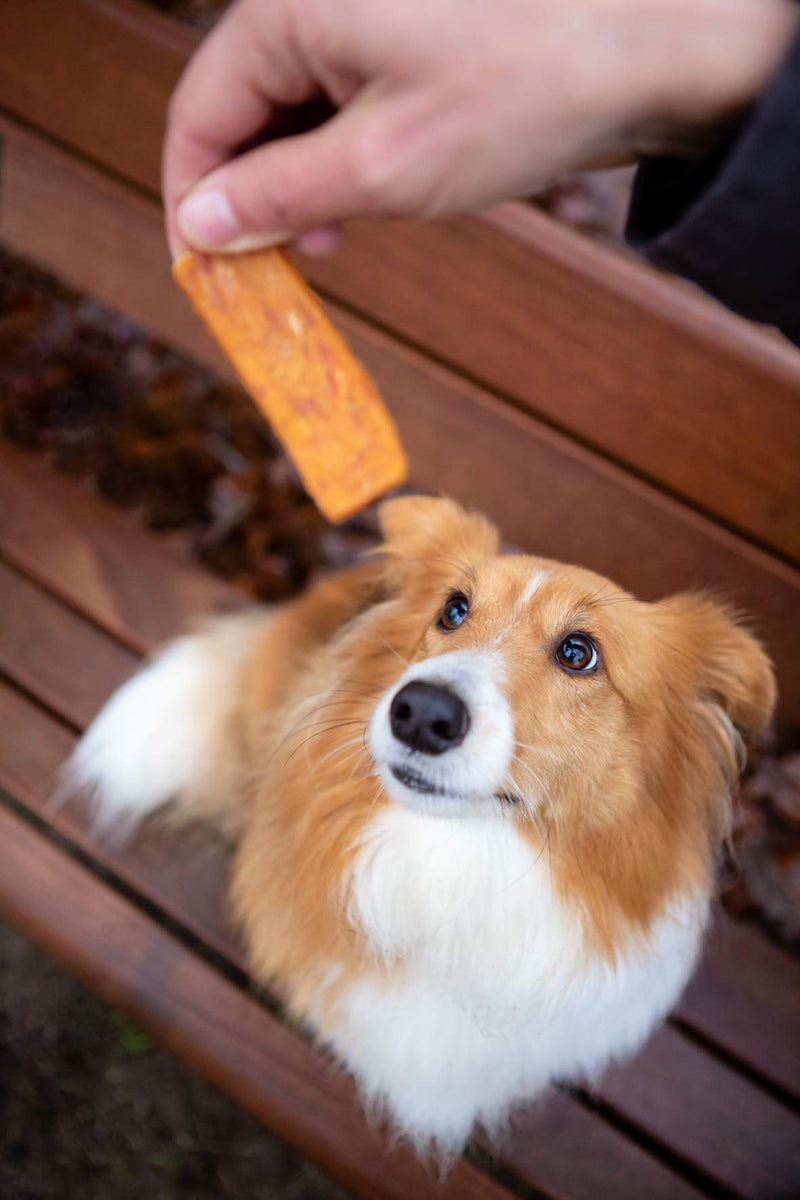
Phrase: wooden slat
pixel 547 493
pixel 631 362
pixel 568 1151
pixel 55 654
pixel 184 874
pixel 632 365
pixel 95 558
pixel 132 962
pixel 180 877
pixel 75 69
pixel 708 1115
pixel 745 997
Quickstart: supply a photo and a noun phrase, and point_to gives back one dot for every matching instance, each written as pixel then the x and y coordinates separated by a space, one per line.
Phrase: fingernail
pixel 207 219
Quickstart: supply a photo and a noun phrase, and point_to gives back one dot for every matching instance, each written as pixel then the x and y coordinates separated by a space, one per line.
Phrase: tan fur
pixel 636 761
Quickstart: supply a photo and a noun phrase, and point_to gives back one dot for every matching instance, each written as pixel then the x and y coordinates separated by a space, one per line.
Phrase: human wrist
pixel 709 61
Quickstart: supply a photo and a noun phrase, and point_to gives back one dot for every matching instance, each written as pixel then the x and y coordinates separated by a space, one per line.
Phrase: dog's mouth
pixel 418 783
pixel 415 782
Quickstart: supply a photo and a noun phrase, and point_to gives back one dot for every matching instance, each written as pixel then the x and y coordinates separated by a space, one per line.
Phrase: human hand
pixel 443 105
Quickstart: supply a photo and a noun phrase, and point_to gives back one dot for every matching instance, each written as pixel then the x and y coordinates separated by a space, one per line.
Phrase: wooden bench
pixel 708 1107
pixel 595 410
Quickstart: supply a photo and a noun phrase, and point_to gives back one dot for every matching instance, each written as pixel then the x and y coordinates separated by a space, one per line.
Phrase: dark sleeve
pixel 731 221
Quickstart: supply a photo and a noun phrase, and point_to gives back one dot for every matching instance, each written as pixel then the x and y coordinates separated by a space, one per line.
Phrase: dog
pixel 477 801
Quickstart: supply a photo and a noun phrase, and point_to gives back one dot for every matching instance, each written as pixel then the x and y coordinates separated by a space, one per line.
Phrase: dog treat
pixel 317 397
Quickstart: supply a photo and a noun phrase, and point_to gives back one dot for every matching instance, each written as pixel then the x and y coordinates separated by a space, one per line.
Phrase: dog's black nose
pixel 428 718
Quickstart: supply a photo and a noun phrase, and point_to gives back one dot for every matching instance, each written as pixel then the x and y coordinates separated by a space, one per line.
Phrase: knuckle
pixel 372 169
pixel 273 198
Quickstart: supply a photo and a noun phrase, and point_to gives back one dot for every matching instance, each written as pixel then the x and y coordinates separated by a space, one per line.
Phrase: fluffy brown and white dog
pixel 478 800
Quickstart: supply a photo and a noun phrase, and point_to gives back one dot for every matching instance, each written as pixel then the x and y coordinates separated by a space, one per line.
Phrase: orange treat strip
pixel 317 397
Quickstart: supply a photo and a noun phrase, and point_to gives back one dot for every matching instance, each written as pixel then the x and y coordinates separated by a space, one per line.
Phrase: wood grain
pixel 95 558
pixel 567 1150
pixel 709 1116
pixel 133 963
pixel 745 997
pixel 54 653
pixel 96 74
pixel 632 363
pixel 548 494
pixel 183 873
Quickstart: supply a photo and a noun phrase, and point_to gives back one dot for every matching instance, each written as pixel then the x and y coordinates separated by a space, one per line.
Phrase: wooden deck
pixel 597 411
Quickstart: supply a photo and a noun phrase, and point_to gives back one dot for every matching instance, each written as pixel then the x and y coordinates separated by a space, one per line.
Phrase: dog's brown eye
pixel 454 612
pixel 577 653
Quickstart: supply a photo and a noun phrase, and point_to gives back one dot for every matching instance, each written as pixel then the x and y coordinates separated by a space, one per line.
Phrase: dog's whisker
pixel 338 750
pixel 369 758
pixel 538 749
pixel 298 729
pixel 533 774
pixel 404 661
pixel 338 691
pixel 527 871
pixel 319 733
pixel 331 704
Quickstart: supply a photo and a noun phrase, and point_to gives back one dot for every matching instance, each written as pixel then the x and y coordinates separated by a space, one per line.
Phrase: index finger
pixel 240 74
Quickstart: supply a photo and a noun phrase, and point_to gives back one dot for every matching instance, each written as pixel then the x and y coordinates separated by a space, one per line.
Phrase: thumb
pixel 276 192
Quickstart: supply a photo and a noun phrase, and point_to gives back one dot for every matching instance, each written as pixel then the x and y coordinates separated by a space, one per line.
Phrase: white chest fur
pixel 487 993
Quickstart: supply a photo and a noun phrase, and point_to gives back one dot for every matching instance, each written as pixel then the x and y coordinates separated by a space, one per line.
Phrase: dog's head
pixel 545 693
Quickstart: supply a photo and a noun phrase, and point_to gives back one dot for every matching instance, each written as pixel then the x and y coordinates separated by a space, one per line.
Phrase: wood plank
pixel 184 873
pixel 183 876
pixel 97 235
pixel 737 1135
pixel 633 365
pixel 95 74
pixel 95 558
pixel 548 494
pixel 134 963
pixel 631 362
pixel 568 1151
pixel 745 997
pixel 55 654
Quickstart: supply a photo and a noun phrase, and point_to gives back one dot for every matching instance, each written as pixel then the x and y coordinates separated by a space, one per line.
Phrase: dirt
pixel 92 1109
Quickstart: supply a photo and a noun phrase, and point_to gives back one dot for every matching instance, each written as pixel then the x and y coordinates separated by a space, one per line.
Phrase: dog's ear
pixel 420 528
pixel 721 660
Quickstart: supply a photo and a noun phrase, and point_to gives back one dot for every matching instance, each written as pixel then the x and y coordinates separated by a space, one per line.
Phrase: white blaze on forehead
pixel 529 591
pixel 534 583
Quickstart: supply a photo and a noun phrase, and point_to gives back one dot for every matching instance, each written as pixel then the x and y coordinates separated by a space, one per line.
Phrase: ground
pixel 92 1109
